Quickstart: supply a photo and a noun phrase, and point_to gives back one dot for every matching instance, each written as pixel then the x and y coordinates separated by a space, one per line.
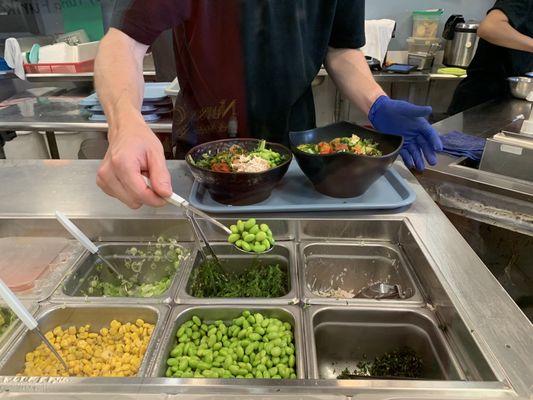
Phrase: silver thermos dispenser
pixel 461 41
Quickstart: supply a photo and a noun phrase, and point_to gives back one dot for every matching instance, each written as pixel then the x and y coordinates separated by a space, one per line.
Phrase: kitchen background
pixel 401 12
pixel 27 19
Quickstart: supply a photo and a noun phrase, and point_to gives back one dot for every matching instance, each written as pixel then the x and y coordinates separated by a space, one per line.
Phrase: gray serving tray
pixel 296 193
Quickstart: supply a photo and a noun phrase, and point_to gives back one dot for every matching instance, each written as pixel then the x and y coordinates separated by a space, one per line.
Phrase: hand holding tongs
pixel 181 202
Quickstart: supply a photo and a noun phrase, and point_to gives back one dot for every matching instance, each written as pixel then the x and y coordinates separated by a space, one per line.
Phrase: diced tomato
pixel 341 147
pixel 220 167
pixel 324 148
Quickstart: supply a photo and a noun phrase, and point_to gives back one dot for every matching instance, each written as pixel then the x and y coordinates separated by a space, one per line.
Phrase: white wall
pixel 401 10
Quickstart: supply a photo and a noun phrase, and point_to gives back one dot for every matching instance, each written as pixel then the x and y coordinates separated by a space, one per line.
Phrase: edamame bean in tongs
pixel 251 236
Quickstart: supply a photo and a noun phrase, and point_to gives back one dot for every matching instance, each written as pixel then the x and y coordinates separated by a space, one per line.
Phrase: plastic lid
pixel 435 11
pixel 26 259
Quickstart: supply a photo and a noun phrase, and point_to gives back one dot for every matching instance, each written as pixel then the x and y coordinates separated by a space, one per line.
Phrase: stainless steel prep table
pixel 32 190
pixel 53 113
pixel 483 196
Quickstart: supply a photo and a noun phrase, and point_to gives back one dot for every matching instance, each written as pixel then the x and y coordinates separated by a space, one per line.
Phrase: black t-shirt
pixel 493 64
pixel 246 65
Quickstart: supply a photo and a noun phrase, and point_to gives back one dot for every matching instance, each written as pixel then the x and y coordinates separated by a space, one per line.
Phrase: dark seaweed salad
pixel 400 363
pixel 210 280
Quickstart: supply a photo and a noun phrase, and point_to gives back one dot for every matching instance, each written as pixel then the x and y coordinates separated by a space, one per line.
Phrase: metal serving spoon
pixel 27 319
pixel 179 201
pixel 85 241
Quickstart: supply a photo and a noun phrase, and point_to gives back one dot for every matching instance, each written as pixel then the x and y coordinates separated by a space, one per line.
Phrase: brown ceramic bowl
pixel 344 174
pixel 237 188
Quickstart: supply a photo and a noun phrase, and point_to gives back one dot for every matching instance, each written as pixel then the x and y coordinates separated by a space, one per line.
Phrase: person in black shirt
pixel 245 68
pixel 505 49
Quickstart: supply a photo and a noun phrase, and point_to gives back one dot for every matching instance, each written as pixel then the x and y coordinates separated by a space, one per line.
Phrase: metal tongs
pixel 27 319
pixel 380 290
pixel 200 235
pixel 179 201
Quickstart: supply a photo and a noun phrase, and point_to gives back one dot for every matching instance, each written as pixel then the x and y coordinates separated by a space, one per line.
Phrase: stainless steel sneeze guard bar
pixel 463 315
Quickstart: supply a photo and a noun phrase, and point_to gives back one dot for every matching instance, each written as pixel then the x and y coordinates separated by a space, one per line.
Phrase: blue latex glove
pixel 408 120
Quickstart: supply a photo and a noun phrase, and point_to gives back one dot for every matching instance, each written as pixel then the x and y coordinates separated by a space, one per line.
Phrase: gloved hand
pixel 408 120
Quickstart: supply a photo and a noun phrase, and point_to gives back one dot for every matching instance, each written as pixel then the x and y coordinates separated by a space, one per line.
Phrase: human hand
pixel 134 150
pixel 408 120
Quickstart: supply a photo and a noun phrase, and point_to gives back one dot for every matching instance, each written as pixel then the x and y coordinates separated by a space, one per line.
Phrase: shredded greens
pixel 6 319
pixel 238 159
pixel 400 363
pixel 140 271
pixel 353 144
pixel 210 280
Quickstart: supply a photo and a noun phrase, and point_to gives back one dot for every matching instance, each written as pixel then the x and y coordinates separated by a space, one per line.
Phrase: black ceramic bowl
pixel 344 174
pixel 238 188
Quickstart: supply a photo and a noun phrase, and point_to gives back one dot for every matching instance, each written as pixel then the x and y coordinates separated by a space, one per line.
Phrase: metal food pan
pixel 16 327
pixel 233 260
pixel 97 316
pixel 75 286
pixel 340 337
pixel 226 313
pixel 352 266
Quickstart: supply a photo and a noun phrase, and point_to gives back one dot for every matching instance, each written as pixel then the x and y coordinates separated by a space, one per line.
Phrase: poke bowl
pixel 343 160
pixel 239 171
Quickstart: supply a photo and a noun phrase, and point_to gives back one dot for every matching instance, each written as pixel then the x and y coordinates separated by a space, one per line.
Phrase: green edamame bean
pixel 249 224
pixel 250 348
pixel 233 237
pixel 176 352
pixel 292 361
pixel 276 351
pixel 172 361
pixel 249 238
pixel 184 364
pixel 258 318
pixel 259 248
pixel 260 236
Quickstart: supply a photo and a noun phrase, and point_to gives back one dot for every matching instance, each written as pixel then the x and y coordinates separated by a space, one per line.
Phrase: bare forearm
pixel 497 30
pixel 349 70
pixel 119 78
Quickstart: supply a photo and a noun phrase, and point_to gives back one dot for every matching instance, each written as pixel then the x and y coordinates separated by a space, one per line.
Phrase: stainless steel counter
pixel 32 190
pixel 481 195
